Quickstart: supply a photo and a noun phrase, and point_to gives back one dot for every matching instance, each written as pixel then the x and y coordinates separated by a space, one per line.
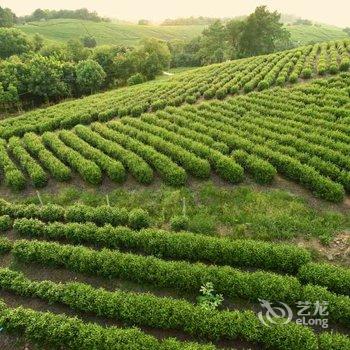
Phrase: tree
pixel 57 50
pixel 76 51
pixel 38 42
pixel 9 98
pixel 213 43
pixel 45 78
pixel 88 41
pixel 143 22
pixel 7 17
pixel 109 59
pixel 150 65
pixel 13 42
pixel 90 76
pixel 38 15
pixel 347 30
pixel 261 31
pixel 160 49
pixel 233 31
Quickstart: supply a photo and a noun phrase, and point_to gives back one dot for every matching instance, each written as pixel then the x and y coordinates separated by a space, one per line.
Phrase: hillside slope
pixel 302 133
pixel 108 32
pixel 130 34
pixel 215 81
pixel 304 35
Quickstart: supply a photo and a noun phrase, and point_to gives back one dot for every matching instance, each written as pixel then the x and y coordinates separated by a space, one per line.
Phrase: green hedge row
pixel 179 275
pixel 56 168
pixel 196 166
pixel 225 166
pixel 170 172
pixel 293 169
pixel 101 215
pixel 335 278
pixel 257 131
pixel 147 310
pixel 174 245
pixel 114 169
pixel 13 177
pixel 87 169
pixel 135 164
pixel 35 172
pixel 261 170
pixel 58 331
pixel 161 119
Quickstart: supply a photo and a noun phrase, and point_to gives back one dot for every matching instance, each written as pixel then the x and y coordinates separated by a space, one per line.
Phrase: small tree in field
pixel 88 41
pixel 90 76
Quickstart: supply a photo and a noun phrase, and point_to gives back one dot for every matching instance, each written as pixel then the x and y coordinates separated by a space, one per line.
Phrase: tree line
pixel 261 32
pixel 9 19
pixel 33 73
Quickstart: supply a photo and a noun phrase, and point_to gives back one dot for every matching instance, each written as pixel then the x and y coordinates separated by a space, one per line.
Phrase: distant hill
pixel 108 33
pixel 116 32
pixel 303 34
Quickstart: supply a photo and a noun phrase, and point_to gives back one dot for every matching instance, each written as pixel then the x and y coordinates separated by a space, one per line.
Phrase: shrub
pixel 306 73
pixel 335 278
pixel 5 245
pixel 248 87
pixel 5 223
pixel 221 93
pixel 234 89
pixel 191 99
pixel 177 245
pixel 293 78
pixel 210 93
pixel 179 223
pixel 263 84
pixel 138 219
pixel 135 79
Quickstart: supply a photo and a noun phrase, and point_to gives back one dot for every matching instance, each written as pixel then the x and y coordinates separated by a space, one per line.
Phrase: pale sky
pixel 336 12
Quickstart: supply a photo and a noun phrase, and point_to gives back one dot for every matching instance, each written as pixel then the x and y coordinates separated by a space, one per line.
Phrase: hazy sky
pixel 335 12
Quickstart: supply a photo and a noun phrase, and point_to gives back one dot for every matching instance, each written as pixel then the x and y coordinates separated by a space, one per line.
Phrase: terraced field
pixel 179 262
pixel 84 276
pixel 215 81
pixel 305 140
pixel 111 33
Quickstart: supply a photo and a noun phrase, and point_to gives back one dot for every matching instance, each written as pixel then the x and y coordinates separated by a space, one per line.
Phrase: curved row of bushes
pixel 335 278
pixel 87 169
pixel 13 177
pixel 35 172
pixel 196 166
pixel 57 331
pixel 261 171
pixel 163 313
pixel 226 167
pixel 58 170
pixel 101 215
pixel 180 275
pixel 135 164
pixel 169 171
pixel 114 169
pixel 174 245
pixel 217 126
pixel 214 81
